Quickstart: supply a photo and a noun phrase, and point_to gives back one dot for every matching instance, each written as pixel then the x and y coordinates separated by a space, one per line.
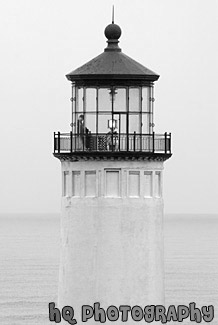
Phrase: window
pixel 145 124
pixel 104 100
pixel 95 109
pixel 134 184
pixel 90 183
pixel 76 183
pixel 90 123
pixel 134 104
pixel 79 99
pixel 157 183
pixel 112 183
pixel 91 100
pixel 145 99
pixel 148 184
pixel 120 100
pixel 66 183
pixel 103 123
pixel 134 123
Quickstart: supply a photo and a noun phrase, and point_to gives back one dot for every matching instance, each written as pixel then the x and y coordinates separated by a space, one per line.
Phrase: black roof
pixel 112 63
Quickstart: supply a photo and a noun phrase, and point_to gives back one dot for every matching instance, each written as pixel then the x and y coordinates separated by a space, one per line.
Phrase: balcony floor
pixel 124 155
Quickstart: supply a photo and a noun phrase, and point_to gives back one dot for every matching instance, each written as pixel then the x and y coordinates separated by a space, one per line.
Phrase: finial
pixel 112 33
pixel 113 14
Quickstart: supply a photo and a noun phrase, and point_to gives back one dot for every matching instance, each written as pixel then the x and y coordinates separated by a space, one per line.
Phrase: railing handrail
pixel 117 134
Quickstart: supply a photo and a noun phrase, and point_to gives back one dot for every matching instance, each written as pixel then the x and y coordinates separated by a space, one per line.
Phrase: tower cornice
pixel 117 156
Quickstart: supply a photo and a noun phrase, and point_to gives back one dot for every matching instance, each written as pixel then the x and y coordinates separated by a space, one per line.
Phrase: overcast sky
pixel 42 40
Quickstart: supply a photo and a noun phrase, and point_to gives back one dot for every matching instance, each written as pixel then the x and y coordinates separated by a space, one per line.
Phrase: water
pixel 29 254
pixel 191 261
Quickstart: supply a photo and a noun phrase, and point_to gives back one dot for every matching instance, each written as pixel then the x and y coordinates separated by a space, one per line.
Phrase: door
pixel 121 130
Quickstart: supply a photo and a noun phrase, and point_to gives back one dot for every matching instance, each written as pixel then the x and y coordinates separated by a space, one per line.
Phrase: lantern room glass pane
pixel 80 123
pixel 122 128
pixel 145 123
pixel 90 122
pixel 79 99
pixel 121 122
pixel 73 122
pixel 90 100
pixel 73 99
pixel 151 100
pixel 104 100
pixel 103 123
pixel 134 103
pixel 134 123
pixel 120 100
pixel 122 131
pixel 145 99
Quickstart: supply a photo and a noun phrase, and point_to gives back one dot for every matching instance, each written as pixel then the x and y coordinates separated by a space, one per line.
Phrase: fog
pixel 42 41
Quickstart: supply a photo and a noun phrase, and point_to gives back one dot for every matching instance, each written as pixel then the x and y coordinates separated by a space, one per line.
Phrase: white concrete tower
pixel 112 173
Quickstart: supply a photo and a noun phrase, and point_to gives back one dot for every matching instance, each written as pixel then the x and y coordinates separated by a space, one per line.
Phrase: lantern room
pixel 112 107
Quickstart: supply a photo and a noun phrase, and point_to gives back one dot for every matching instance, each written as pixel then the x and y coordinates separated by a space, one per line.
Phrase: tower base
pixel 111 234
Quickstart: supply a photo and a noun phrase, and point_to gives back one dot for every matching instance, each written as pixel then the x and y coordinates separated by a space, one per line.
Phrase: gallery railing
pixel 112 142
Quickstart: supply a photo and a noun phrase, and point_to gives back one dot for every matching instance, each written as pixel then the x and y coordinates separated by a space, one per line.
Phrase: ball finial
pixel 112 31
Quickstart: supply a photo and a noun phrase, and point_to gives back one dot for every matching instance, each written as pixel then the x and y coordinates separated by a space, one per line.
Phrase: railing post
pixel 165 142
pixel 134 141
pixel 96 142
pixel 75 141
pixel 112 141
pixel 153 143
pixel 54 142
pixel 71 141
pixel 59 142
pixel 170 143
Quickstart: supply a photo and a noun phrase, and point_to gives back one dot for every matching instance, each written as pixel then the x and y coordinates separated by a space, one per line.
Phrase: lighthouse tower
pixel 112 175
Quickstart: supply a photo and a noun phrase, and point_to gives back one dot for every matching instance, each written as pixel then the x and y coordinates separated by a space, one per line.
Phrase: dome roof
pixel 112 63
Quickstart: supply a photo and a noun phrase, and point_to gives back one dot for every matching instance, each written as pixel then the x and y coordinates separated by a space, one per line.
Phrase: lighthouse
pixel 112 195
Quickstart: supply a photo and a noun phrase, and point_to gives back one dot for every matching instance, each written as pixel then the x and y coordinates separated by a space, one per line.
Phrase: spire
pixel 113 14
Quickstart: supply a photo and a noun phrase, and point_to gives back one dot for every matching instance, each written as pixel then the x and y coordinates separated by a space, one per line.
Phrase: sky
pixel 43 40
